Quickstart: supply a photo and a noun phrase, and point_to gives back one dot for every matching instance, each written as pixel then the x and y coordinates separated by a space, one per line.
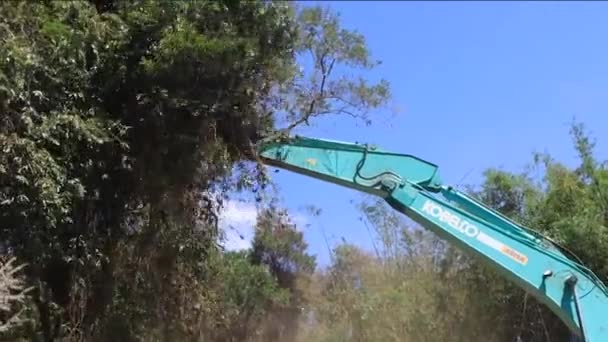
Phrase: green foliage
pixel 246 293
pixel 332 53
pixel 123 127
pixel 365 298
pixel 280 246
pixel 569 205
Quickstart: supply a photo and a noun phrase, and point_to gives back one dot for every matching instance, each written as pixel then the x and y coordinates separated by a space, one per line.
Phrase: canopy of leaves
pixel 123 126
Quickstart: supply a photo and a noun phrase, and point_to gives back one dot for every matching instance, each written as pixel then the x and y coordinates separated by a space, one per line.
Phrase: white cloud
pixel 300 220
pixel 238 221
pixel 237 241
pixel 239 213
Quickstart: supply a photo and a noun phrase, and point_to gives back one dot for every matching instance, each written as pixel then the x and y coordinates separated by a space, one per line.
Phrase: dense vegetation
pixel 126 125
pixel 417 287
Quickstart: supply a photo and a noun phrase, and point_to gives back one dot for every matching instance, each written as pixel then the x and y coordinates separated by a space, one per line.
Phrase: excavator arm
pixel 413 187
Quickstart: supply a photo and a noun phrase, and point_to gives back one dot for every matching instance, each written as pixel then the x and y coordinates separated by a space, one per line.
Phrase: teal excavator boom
pixel 413 187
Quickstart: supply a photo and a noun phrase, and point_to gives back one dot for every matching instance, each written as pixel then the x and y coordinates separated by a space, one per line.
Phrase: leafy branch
pixel 328 89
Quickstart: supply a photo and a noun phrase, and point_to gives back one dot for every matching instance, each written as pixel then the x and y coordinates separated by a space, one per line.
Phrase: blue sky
pixel 480 84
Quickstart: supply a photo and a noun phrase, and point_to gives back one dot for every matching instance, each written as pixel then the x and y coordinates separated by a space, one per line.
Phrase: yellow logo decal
pixel 311 161
pixel 515 255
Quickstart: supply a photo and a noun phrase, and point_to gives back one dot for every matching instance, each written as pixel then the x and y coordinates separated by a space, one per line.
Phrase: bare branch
pixel 12 295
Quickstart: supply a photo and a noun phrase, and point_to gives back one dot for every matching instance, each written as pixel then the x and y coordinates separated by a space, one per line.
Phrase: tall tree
pixel 124 124
pixel 280 246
